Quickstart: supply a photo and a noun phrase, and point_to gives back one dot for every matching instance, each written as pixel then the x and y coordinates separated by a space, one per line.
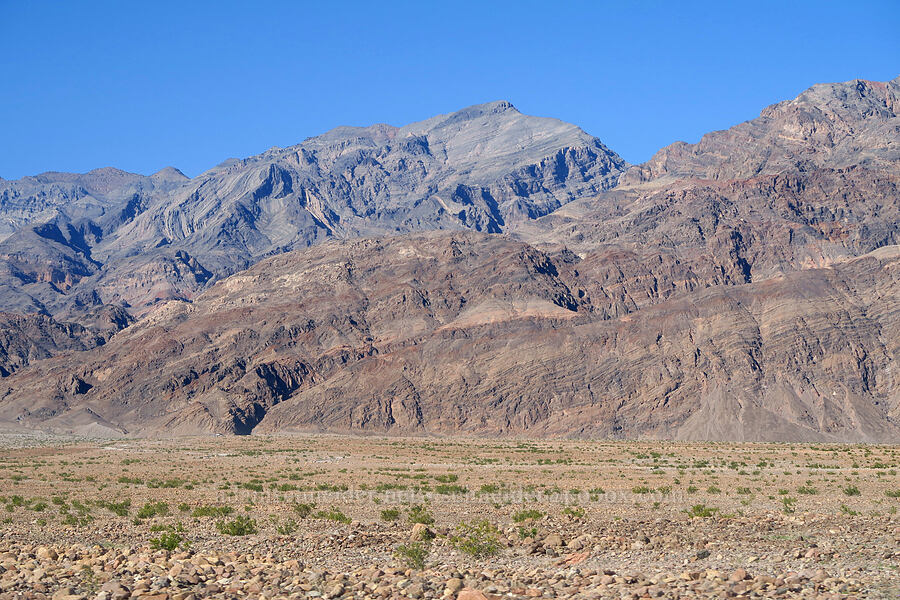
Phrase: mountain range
pixel 482 272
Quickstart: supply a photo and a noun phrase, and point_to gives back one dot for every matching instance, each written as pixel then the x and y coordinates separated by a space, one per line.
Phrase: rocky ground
pixel 345 517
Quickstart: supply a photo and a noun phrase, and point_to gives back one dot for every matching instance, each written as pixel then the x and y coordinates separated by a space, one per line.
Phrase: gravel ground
pixel 355 517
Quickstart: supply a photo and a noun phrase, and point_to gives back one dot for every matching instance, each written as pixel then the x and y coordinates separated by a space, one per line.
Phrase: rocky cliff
pixel 449 333
pixel 741 288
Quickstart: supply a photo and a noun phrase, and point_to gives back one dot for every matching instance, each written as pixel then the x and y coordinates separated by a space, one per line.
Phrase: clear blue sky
pixel 142 85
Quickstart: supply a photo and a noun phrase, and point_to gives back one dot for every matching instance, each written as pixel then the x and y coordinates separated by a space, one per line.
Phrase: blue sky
pixel 143 85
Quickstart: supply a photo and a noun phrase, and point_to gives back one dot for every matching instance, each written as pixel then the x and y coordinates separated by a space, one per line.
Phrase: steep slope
pixel 744 287
pixel 449 333
pixel 832 125
pixel 73 196
pixel 811 181
pixel 485 168
pixel 29 338
pixel 482 168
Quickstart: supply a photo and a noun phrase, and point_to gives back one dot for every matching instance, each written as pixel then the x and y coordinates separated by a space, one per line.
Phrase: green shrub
pixel 419 514
pixel 168 541
pixel 304 509
pixel 523 515
pixel 334 514
pixel 447 489
pixel 241 525
pixel 120 509
pixel 153 509
pixel 574 512
pixel 413 554
pixel 390 514
pixel 851 490
pixel 478 539
pixel 848 511
pixel 286 527
pixel 527 532
pixel 701 511
pixel 788 504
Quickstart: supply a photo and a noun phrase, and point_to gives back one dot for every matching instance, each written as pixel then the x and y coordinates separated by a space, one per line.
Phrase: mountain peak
pixel 170 174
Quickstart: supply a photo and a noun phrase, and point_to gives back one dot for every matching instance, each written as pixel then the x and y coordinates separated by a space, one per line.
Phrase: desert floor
pixel 322 516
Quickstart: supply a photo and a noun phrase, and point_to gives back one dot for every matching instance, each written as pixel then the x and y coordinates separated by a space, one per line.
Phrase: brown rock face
pixel 473 333
pixel 831 125
pixel 28 338
pixel 741 288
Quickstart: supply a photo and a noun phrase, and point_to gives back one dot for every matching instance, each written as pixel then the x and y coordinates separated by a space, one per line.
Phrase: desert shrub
pixel 701 511
pixel 788 504
pixel 413 554
pixel 851 490
pixel 165 483
pixel 574 512
pixel 120 509
pixel 152 509
pixel 447 489
pixel 286 527
pixel 419 514
pixel 525 514
pixel 334 514
pixel 169 540
pixel 478 539
pixel 303 509
pixel 390 514
pixel 241 525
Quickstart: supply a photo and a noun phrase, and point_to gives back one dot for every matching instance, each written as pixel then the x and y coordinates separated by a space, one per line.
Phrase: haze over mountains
pixel 481 272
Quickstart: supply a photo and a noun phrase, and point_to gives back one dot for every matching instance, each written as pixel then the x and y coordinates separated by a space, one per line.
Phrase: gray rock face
pixel 142 240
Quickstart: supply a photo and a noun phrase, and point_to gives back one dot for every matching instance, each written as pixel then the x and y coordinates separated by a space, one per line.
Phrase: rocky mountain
pixel 140 240
pixel 834 126
pixel 28 338
pixel 741 288
pixel 449 333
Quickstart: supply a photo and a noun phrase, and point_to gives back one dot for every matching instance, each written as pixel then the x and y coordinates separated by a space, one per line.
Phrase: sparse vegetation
pixel 413 554
pixel 240 525
pixel 478 539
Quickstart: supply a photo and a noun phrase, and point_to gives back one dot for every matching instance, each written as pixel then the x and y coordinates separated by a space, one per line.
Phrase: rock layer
pixel 474 333
pixel 741 288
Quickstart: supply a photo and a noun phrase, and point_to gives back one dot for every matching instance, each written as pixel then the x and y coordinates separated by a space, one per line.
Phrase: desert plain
pixel 326 516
